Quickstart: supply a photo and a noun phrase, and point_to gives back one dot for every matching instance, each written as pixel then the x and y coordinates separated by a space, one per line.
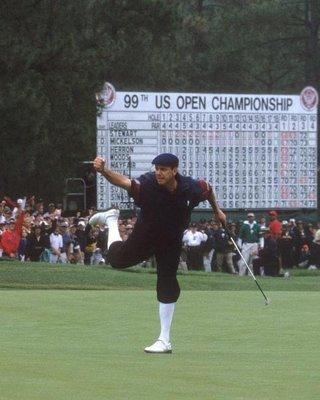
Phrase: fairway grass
pixel 64 344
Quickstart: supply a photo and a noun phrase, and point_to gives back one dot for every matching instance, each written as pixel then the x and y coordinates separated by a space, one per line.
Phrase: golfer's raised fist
pixel 99 164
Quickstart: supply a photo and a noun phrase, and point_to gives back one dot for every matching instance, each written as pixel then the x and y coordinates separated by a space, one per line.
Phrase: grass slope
pixel 65 345
pixel 54 276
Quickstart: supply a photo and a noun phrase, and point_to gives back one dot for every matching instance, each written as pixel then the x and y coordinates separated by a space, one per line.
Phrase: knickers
pixel 138 248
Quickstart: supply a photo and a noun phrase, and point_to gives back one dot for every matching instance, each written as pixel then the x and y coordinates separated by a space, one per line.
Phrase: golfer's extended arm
pixel 116 179
pixel 213 203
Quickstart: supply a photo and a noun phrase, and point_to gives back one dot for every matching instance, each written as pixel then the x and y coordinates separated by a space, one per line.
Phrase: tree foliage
pixel 55 55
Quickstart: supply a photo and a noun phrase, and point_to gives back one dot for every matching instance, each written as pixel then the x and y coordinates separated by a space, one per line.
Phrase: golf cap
pixel 273 213
pixel 250 215
pixel 166 159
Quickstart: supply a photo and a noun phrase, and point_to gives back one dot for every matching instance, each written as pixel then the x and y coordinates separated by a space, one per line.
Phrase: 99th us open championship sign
pixel 257 151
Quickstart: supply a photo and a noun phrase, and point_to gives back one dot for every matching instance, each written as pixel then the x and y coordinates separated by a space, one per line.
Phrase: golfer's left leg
pixel 168 292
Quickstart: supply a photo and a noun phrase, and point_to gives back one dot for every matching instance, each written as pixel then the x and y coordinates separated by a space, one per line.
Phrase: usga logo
pixel 309 98
pixel 107 96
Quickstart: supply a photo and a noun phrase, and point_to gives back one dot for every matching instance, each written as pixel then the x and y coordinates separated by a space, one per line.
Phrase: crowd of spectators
pixel 31 232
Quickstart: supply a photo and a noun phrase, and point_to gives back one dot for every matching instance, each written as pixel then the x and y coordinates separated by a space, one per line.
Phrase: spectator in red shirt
pixel 10 238
pixel 275 226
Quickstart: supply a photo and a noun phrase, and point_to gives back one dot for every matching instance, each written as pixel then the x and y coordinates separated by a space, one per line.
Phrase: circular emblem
pixel 107 96
pixel 309 98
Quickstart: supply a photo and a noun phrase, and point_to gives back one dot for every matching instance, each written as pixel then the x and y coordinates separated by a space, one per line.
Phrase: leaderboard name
pixel 256 151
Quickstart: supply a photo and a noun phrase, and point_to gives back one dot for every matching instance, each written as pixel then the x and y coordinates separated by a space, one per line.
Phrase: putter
pixel 267 301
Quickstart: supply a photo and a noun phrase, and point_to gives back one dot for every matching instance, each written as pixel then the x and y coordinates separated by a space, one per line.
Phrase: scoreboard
pixel 257 151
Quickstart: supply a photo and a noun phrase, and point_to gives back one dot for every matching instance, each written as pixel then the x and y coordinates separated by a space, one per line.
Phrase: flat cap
pixel 166 159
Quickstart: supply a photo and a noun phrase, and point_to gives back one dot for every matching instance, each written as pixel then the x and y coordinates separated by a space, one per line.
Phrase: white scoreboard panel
pixel 257 151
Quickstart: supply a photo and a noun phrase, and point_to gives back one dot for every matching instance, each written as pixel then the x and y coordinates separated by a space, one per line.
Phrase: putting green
pixel 227 345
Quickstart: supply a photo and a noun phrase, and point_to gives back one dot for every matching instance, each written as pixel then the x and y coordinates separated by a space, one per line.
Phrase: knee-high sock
pixel 113 234
pixel 166 311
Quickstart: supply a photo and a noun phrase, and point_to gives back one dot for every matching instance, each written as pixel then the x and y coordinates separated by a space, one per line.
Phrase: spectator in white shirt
pixel 56 245
pixel 193 239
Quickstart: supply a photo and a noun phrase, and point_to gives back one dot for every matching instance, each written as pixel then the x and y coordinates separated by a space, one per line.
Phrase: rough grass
pixel 68 276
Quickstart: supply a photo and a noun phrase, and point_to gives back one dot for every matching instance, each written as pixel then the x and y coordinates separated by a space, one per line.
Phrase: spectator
pixel 23 245
pixel 192 239
pixel 304 256
pixel 208 247
pixel 235 254
pixel 91 244
pixel 248 242
pixel 56 245
pixel 285 245
pixel 39 208
pixel 224 249
pixel 7 213
pixel 275 226
pixel 2 215
pixel 269 255
pixel 262 223
pixel 66 240
pixel 310 234
pixel 81 239
pixel 299 239
pixel 36 244
pixel 51 211
pixel 10 238
pixel 314 261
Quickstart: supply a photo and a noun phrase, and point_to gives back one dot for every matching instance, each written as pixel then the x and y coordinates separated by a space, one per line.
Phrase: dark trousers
pixel 137 248
pixel 194 258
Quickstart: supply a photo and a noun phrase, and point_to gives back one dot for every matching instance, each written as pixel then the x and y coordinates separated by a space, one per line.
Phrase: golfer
pixel 166 200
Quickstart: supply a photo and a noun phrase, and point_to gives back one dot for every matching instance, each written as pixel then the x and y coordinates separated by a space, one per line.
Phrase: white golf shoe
pixel 101 218
pixel 159 347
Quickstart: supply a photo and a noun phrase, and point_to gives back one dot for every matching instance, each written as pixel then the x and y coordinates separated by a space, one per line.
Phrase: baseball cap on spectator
pixel 273 213
pixel 19 201
pixel 81 223
pixel 284 222
pixel 250 214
